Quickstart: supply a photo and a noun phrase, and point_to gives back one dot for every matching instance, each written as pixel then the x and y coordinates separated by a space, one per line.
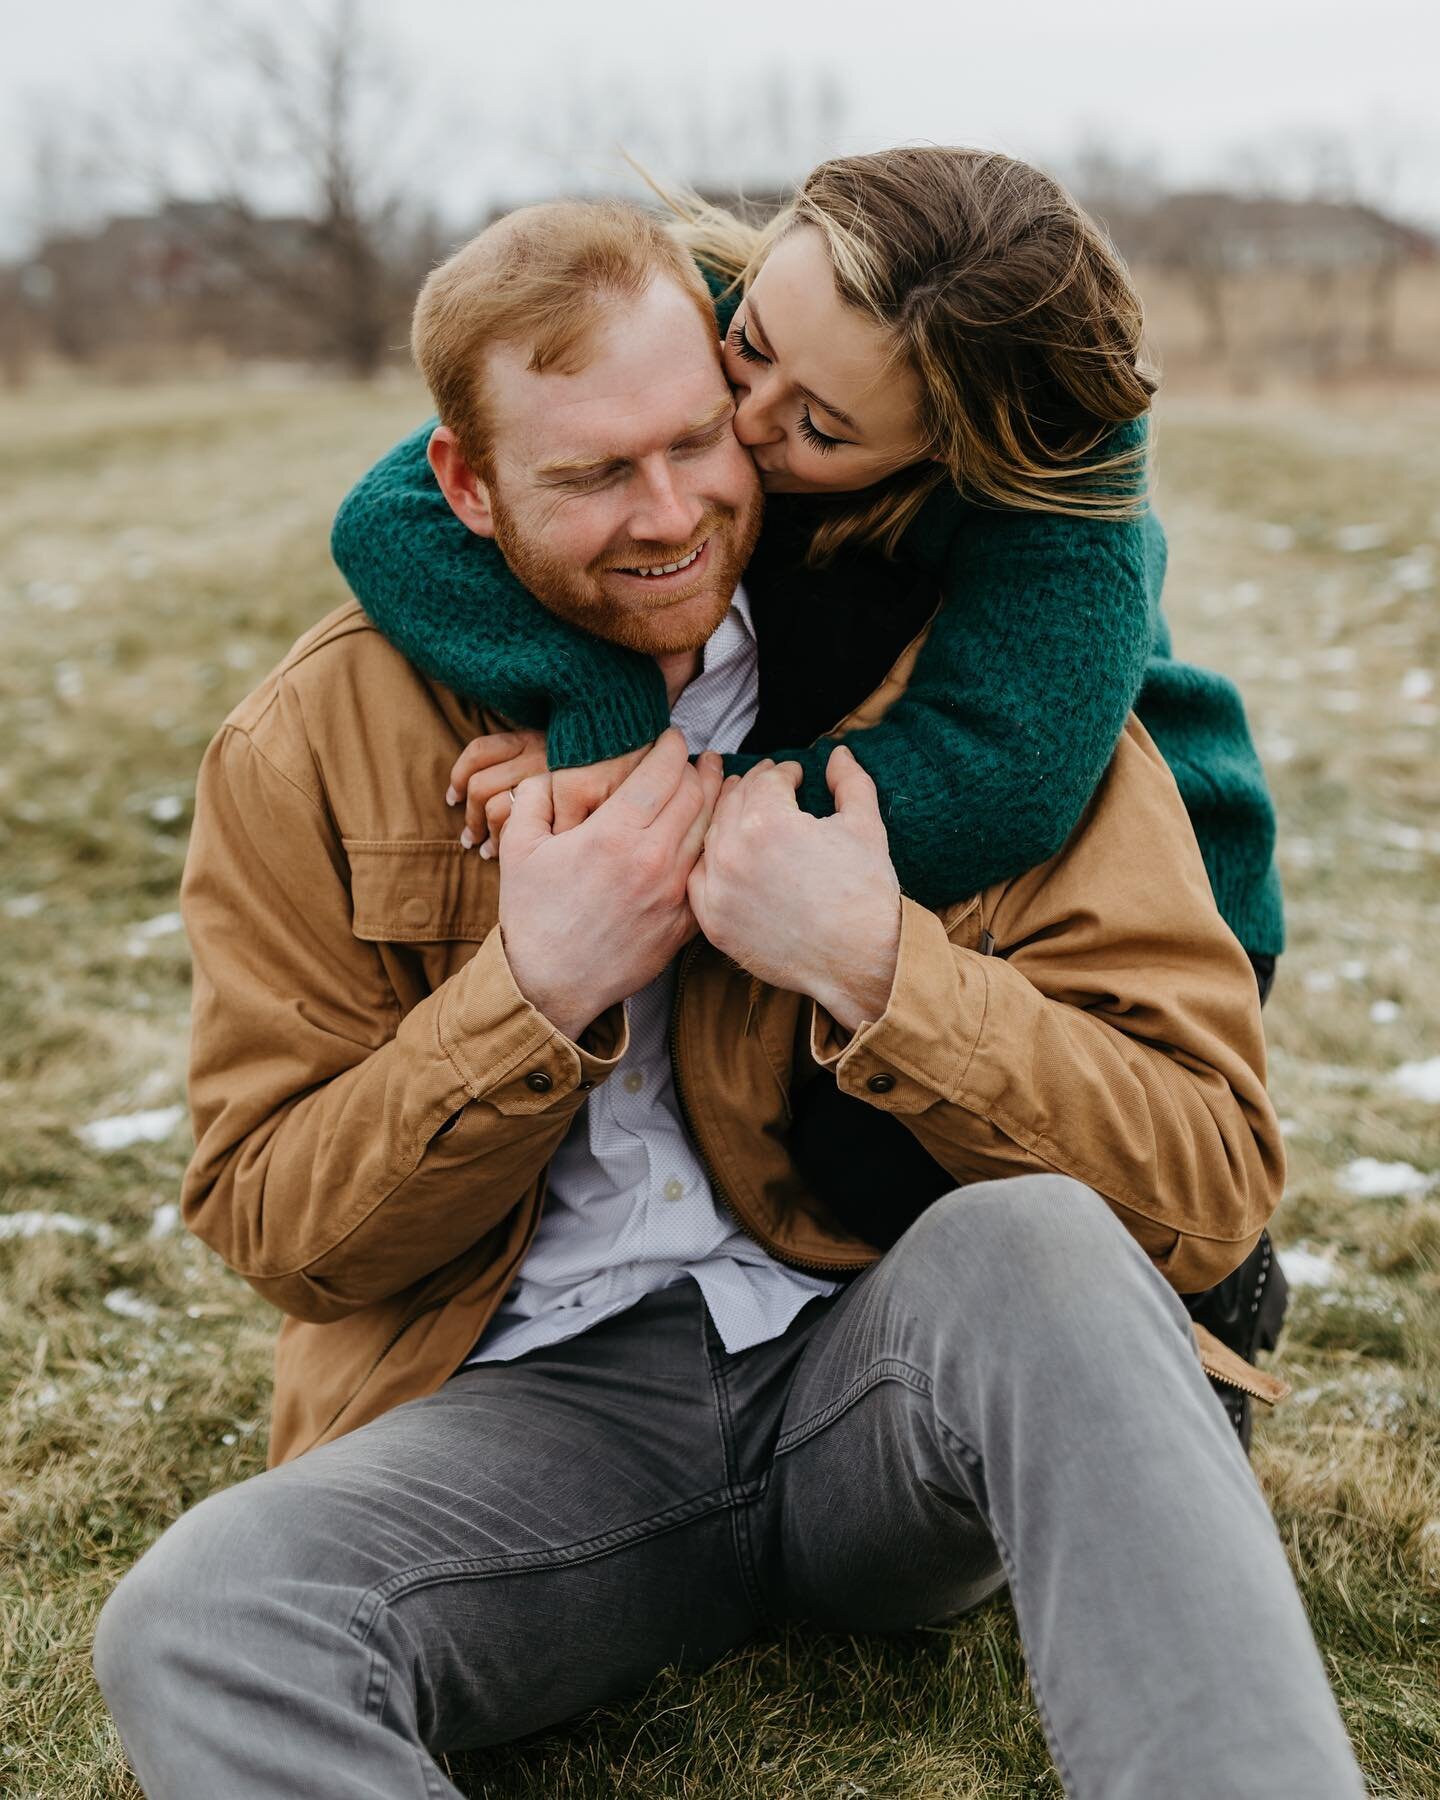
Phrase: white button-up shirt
pixel 629 1208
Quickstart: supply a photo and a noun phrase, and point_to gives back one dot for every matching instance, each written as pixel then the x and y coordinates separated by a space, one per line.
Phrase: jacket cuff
pixel 919 1048
pixel 508 1053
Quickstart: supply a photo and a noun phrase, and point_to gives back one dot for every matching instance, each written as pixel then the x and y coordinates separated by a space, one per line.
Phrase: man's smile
pixel 668 576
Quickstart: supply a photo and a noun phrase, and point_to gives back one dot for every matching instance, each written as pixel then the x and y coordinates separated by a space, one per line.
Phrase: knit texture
pixel 1050 632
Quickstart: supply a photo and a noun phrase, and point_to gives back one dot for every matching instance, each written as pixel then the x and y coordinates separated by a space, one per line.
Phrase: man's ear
pixel 468 494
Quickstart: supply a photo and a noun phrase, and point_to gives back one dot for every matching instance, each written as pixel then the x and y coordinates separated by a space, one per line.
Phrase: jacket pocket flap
pixel 418 890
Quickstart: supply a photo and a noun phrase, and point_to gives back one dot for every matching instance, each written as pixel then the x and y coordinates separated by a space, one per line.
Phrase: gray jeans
pixel 1011 1394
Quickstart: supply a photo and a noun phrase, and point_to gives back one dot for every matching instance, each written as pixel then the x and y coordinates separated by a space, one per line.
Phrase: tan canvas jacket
pixel 375 1102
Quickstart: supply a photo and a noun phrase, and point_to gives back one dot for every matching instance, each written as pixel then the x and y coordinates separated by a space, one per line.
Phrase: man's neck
pixel 679 667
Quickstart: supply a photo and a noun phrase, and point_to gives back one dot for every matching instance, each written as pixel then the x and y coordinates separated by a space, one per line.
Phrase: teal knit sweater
pixel 1050 632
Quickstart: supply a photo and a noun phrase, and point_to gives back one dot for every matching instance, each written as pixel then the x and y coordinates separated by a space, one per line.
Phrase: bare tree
pixel 272 197
pixel 319 120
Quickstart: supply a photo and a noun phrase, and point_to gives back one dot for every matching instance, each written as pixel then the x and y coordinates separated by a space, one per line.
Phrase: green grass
pixel 159 549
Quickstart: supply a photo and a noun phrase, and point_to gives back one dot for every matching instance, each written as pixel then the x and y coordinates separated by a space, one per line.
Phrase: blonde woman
pixel 937 364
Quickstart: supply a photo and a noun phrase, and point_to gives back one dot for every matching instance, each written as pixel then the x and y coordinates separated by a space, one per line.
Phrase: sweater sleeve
pixel 987 760
pixel 447 600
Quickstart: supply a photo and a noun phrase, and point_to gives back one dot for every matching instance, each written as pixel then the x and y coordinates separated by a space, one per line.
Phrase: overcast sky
pixel 517 96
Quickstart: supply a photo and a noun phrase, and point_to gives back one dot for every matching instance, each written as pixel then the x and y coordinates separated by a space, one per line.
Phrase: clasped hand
pixel 591 914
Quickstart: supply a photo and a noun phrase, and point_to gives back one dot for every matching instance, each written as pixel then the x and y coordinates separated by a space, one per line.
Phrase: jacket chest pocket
pixel 427 902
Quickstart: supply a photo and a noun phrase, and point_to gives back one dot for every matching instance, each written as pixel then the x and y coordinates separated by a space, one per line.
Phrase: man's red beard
pixel 682 619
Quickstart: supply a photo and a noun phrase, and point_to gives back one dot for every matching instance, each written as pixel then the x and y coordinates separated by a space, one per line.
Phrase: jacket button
pixel 586 1086
pixel 538 1082
pixel 880 1084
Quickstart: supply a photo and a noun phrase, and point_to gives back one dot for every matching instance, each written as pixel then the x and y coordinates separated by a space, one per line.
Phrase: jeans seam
pixel 377 1685
pixel 435 1788
pixel 740 1515
pixel 481 1568
pixel 890 1368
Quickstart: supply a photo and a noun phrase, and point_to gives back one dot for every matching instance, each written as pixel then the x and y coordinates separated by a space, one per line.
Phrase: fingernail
pixel 467 839
pixel 487 851
pixel 451 797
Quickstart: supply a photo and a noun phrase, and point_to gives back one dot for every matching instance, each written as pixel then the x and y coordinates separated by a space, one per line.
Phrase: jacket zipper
pixel 1243 1387
pixel 813 1265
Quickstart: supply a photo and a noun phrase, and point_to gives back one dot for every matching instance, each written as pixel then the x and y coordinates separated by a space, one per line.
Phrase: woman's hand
pixel 489 768
pixel 485 772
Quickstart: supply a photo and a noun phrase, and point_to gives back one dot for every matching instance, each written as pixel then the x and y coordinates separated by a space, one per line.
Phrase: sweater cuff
pixel 509 1054
pixel 916 1052
pixel 630 709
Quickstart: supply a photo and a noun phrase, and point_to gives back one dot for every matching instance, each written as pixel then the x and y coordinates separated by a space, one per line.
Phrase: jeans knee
pixel 201 1565
pixel 1037 1218
pixel 126 1632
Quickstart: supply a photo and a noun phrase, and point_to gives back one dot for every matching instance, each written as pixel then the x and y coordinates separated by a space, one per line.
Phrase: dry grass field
pixel 159 549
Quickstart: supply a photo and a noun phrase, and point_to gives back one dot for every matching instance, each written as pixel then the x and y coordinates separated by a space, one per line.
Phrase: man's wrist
pixel 861 990
pixel 570 1013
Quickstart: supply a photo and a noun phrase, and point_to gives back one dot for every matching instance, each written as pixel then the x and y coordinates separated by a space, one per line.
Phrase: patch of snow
pixel 128 1305
pixel 166 809
pixel 144 934
pixel 1305 1269
pixel 1417 684
pixel 1415 573
pixel 1384 1012
pixel 24 906
pixel 1319 981
pixel 1368 1179
pixel 1337 661
pixel 1277 537
pixel 166 1220
pixel 125 1129
pixel 31 1224
pixel 1418 1080
pixel 1361 537
pixel 160 926
pixel 1354 970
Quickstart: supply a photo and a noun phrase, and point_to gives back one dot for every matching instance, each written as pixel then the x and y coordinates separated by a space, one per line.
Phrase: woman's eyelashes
pixel 809 430
pixel 742 345
pixel 813 435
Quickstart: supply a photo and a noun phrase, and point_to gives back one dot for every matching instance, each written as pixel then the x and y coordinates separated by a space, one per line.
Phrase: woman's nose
pixel 757 421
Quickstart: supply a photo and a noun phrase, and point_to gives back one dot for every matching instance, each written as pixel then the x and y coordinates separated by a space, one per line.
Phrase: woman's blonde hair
pixel 1007 300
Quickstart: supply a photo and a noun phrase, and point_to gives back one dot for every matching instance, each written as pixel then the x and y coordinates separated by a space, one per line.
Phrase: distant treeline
pixel 1238 287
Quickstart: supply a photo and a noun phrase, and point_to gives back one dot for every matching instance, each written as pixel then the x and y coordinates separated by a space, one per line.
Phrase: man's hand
pixel 807 904
pixel 591 916
pixel 490 768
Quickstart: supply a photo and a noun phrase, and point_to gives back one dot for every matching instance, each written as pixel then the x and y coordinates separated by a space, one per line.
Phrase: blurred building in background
pixel 298 218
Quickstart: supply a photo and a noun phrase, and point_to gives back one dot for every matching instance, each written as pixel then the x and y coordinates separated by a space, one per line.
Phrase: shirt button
pixel 673 1189
pixel 538 1082
pixel 633 1082
pixel 586 1086
pixel 880 1084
